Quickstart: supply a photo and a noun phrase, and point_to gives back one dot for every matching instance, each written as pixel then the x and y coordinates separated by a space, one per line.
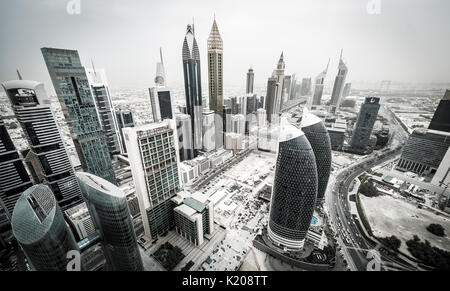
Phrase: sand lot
pixel 390 216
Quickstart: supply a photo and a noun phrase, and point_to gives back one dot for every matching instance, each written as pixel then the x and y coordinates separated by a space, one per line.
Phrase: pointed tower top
pixel 214 39
pixel 18 74
pixel 342 51
pixel 93 67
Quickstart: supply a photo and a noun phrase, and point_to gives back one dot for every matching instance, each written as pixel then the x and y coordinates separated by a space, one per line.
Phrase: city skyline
pixel 326 35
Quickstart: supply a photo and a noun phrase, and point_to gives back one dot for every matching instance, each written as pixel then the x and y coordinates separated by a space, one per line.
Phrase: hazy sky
pixel 409 41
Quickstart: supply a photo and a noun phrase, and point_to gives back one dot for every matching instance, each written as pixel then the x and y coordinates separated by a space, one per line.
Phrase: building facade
pixel 250 81
pixel 441 118
pixel 124 119
pixel 39 226
pixel 185 142
pixel 47 158
pixel 294 189
pixel 160 96
pixel 319 83
pixel 108 206
pixel 209 129
pixel 364 124
pixel 338 88
pixel 74 93
pixel 154 165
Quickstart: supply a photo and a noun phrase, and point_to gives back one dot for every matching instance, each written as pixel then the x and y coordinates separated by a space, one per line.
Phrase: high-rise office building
pixel 80 221
pixel 160 97
pixel 306 87
pixel 293 92
pixel 279 75
pixel 261 117
pixel 318 88
pixel 250 81
pixel 105 110
pixel 287 83
pixel 238 124
pixel 209 137
pixel 47 159
pixel 317 135
pixel 365 122
pixel 424 151
pixel 124 119
pixel 347 90
pixel 294 189
pixel 108 206
pixel 338 87
pixel 39 226
pixel 441 118
pixel 72 88
pixel 185 142
pixel 14 178
pixel 193 86
pixel 215 70
pixel 154 165
pixel 270 102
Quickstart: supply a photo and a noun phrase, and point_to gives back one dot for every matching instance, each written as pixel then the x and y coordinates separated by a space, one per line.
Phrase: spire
pixel 161 56
pixel 342 50
pixel 93 67
pixel 160 78
pixel 214 39
pixel 18 74
pixel 193 26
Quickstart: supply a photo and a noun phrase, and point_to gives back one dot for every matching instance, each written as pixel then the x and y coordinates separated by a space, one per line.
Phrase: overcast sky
pixel 409 41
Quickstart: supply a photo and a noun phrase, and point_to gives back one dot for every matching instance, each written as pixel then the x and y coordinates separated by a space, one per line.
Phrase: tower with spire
pixel 339 84
pixel 193 85
pixel 160 97
pixel 215 77
pixel 319 82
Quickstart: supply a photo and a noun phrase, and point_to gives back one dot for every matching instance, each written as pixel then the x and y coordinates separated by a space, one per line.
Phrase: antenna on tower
pixel 328 65
pixel 18 74
pixel 193 26
pixel 93 67
pixel 342 50
pixel 161 55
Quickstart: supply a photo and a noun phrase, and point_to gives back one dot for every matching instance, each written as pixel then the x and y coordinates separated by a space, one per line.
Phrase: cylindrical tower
pixel 109 210
pixel 39 227
pixel 319 139
pixel 294 189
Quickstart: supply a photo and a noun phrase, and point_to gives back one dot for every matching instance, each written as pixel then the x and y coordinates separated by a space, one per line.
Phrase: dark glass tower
pixel 74 94
pixel 365 122
pixel 294 189
pixel 47 158
pixel 193 86
pixel 108 207
pixel 39 227
pixel 319 139
pixel 13 176
pixel 441 118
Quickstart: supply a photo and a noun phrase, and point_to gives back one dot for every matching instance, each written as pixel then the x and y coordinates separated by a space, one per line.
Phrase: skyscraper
pixel 317 135
pixel 279 75
pixel 294 189
pixel 347 89
pixel 306 86
pixel 14 178
pixel 215 72
pixel 124 119
pixel 441 118
pixel 154 165
pixel 193 86
pixel 185 142
pixel 270 102
pixel 72 88
pixel 287 83
pixel 209 137
pixel 318 88
pixel 250 81
pixel 108 206
pixel 105 110
pixel 338 87
pixel 160 97
pixel 47 158
pixel 365 122
pixel 39 227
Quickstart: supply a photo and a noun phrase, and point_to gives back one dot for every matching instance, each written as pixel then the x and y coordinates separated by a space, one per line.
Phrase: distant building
pixel 39 227
pixel 318 88
pixel 234 142
pixel 209 136
pixel 185 142
pixel 347 89
pixel 160 97
pixel 14 178
pixel 103 103
pixel 124 119
pixel 294 190
pixel 306 86
pixel 338 88
pixel 250 81
pixel 109 209
pixel 153 155
pixel 275 91
pixel 365 122
pixel 47 158
pixel 193 86
pixel 441 118
pixel 424 151
pixel 238 124
pixel 337 138
pixel 261 117
pixel 74 93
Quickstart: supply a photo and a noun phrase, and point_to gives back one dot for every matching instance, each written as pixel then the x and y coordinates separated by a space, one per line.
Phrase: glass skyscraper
pixel 294 189
pixel 338 88
pixel 47 159
pixel 74 94
pixel 39 226
pixel 193 86
pixel 364 124
pixel 108 207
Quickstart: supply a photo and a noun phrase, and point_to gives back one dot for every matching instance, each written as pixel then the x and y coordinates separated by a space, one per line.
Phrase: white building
pixel 209 138
pixel 80 220
pixel 442 176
